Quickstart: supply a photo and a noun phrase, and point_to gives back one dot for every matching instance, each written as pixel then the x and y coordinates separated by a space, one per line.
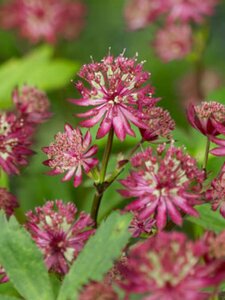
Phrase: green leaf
pixel 4 297
pixel 23 261
pixel 39 69
pixel 209 219
pixel 98 255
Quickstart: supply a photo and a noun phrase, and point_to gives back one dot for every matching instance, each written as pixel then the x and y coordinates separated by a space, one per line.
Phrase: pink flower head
pixel 216 245
pixel 70 153
pixel 168 267
pixel 190 10
pixel 160 124
pixel 216 194
pixel 140 13
pixel 58 234
pixel 8 202
pixel 140 226
pixel 98 291
pixel 14 143
pixel 207 117
pixel 32 104
pixel 43 19
pixel 3 276
pixel 163 183
pixel 173 42
pixel 116 92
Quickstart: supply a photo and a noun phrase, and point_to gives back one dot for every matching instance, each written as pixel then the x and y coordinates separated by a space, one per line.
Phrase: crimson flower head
pixel 141 226
pixel 98 291
pixel 8 202
pixel 116 91
pixel 32 104
pixel 39 20
pixel 163 183
pixel 58 234
pixel 216 193
pixel 173 42
pixel 207 117
pixel 70 153
pixel 169 267
pixel 160 124
pixel 190 10
pixel 14 143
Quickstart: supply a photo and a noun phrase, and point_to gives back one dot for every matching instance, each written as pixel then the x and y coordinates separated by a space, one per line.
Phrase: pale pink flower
pixel 43 19
pixel 116 90
pixel 14 143
pixel 98 291
pixel 164 183
pixel 58 234
pixel 8 202
pixel 160 124
pixel 70 153
pixel 169 267
pixel 32 104
pixel 173 42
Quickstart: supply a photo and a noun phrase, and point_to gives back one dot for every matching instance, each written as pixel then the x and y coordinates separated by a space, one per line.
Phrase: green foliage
pixel 209 220
pixel 97 256
pixel 37 68
pixel 23 262
pixel 3 297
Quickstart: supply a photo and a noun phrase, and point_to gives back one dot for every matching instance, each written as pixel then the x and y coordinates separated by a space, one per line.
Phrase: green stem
pixel 206 153
pixel 106 155
pixel 95 206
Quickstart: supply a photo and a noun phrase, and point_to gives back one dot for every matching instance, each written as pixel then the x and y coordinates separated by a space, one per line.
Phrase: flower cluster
pixel 70 153
pixel 174 40
pixel 168 267
pixel 58 234
pixel 45 20
pixel 167 182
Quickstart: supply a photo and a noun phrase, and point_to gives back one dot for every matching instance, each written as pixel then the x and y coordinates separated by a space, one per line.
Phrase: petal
pixel 92 151
pixel 87 102
pixel 182 204
pixel 78 177
pixel 91 122
pixel 161 217
pixel 174 213
pixel 105 125
pixel 89 163
pixel 69 174
pixel 218 151
pixel 87 139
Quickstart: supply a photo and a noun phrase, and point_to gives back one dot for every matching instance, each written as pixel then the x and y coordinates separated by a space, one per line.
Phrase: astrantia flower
pixel 163 183
pixel 207 117
pixel 216 245
pixel 70 153
pixel 43 19
pixel 3 276
pixel 14 143
pixel 8 202
pixel 116 90
pixel 190 10
pixel 98 291
pixel 140 13
pixel 169 267
pixel 173 42
pixel 160 124
pixel 140 226
pixel 216 194
pixel 58 234
pixel 32 104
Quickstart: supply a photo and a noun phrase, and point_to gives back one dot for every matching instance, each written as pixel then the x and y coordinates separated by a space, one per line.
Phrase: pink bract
pixel 117 91
pixel 169 267
pixel 173 42
pixel 164 184
pixel 46 20
pixel 14 143
pixel 70 153
pixel 58 234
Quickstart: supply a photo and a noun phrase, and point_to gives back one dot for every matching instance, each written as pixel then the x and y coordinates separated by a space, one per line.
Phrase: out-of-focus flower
pixel 8 202
pixel 173 42
pixel 58 234
pixel 116 90
pixel 43 19
pixel 98 291
pixel 32 104
pixel 216 245
pixel 160 124
pixel 70 153
pixel 163 183
pixel 140 13
pixel 216 193
pixel 3 276
pixel 14 143
pixel 207 117
pixel 169 267
pixel 140 226
pixel 190 10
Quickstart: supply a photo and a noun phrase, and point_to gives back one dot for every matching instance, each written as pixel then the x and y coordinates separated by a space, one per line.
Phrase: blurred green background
pixel 53 68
